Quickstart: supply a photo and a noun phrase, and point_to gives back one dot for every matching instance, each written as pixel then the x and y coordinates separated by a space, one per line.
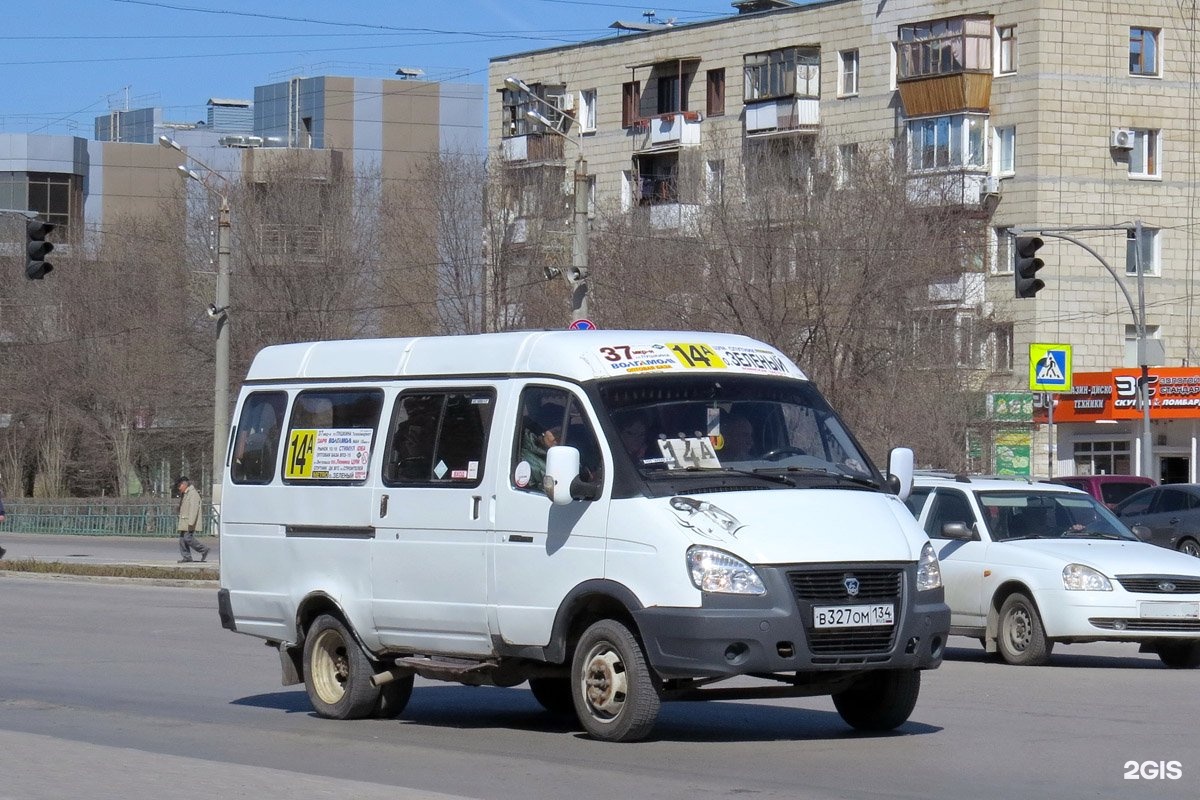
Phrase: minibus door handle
pixel 383 503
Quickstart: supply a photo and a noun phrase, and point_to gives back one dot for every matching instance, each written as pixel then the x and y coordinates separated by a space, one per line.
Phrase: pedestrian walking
pixel 189 520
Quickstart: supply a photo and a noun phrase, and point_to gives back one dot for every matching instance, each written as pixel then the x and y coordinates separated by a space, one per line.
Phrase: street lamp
pixel 577 275
pixel 218 310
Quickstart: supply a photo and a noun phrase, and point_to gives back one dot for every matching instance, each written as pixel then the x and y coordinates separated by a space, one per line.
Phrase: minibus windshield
pixel 760 424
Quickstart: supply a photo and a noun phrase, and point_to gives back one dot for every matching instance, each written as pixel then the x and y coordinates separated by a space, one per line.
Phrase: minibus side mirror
pixel 562 483
pixel 900 471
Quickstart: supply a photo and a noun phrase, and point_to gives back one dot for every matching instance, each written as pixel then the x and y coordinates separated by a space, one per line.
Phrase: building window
pixel 945 47
pixel 1006 150
pixel 631 102
pixel 1006 50
pixel 847 73
pixel 893 67
pixel 1002 252
pixel 790 72
pixel 672 94
pixel 1144 157
pixel 954 141
pixel 714 181
pixel 1102 458
pixel 1131 344
pixel 847 160
pixel 1143 52
pixel 587 111
pixel 715 106
pixel 1150 252
pixel 657 179
pixel 55 197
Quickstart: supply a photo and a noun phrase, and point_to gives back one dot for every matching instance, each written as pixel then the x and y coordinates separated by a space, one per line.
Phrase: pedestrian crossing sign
pixel 1050 367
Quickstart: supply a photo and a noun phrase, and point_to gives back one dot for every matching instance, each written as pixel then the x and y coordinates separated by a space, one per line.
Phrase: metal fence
pixel 99 516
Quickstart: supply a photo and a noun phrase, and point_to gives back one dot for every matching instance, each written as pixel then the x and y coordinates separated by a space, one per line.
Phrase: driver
pixel 738 433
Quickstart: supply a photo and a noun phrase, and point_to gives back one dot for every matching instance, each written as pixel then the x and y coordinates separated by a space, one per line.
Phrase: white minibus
pixel 619 518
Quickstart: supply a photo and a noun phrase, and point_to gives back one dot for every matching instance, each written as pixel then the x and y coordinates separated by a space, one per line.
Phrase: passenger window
pixel 948 506
pixel 330 435
pixel 550 417
pixel 256 442
pixel 439 438
pixel 1171 500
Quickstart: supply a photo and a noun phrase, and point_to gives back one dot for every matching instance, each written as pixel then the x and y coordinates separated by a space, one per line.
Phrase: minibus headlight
pixel 1080 578
pixel 929 571
pixel 719 572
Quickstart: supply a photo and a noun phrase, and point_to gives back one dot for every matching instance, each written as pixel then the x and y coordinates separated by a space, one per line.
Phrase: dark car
pixel 1170 512
pixel 1108 489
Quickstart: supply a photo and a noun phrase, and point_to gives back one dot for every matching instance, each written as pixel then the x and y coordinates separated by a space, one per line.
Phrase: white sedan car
pixel 1028 564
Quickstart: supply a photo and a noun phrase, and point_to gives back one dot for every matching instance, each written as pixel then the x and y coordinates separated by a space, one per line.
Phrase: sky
pixel 65 62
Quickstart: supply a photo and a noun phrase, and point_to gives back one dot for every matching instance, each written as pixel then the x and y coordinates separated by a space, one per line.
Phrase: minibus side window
pixel 257 443
pixel 551 417
pixel 330 434
pixel 439 438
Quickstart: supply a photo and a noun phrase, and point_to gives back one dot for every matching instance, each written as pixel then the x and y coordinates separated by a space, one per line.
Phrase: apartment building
pixel 1025 114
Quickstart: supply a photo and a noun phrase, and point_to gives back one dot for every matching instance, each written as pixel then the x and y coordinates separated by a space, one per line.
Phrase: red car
pixel 1108 489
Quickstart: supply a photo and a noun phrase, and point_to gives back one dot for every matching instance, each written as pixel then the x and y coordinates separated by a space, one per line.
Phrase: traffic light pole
pixel 1146 467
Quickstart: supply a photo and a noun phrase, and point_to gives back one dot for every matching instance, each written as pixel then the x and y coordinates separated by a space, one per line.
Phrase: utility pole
pixel 220 310
pixel 578 279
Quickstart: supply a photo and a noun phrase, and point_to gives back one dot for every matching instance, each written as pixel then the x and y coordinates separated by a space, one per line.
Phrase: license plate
pixel 854 616
pixel 1148 609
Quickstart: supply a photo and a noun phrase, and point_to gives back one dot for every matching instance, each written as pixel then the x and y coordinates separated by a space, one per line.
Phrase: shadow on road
pixel 476 707
pixel 1061 657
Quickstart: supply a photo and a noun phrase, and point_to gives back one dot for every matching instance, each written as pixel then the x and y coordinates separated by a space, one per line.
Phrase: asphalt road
pixel 134 691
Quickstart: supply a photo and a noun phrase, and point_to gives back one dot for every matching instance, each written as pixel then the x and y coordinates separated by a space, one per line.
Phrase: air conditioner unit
pixel 1122 139
pixel 991 185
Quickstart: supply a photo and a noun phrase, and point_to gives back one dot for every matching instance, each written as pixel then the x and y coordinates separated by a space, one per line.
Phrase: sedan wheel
pixel 1022 638
pixel 1190 546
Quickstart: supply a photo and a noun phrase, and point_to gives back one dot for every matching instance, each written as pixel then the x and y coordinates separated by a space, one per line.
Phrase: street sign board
pixel 1050 367
pixel 582 325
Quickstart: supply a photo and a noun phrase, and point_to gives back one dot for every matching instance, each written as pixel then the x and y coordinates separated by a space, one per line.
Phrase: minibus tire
pixel 879 701
pixel 393 698
pixel 614 694
pixel 553 694
pixel 337 673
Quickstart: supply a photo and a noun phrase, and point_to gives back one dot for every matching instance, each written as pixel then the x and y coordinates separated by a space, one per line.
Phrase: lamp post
pixel 577 275
pixel 219 311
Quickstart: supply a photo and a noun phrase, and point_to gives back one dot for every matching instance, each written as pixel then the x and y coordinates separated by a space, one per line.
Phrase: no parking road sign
pixel 1050 367
pixel 582 325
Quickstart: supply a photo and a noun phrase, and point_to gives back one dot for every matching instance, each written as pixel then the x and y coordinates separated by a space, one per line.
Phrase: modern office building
pixel 1029 114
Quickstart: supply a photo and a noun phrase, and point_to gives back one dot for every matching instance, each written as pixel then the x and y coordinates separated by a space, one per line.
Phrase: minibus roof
pixel 574 355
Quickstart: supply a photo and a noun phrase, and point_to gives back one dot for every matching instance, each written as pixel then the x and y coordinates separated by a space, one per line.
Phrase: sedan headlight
pixel 1080 578
pixel 929 571
pixel 719 572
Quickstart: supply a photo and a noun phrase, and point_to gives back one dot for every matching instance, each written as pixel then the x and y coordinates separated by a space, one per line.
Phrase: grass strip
pixel 109 570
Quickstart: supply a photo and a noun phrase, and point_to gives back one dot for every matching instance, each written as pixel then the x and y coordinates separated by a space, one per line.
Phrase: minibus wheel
pixel 614 694
pixel 879 701
pixel 337 673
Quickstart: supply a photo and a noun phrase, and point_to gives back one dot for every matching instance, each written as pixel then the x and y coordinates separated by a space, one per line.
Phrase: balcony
pixel 532 148
pixel 801 115
pixel 957 188
pixel 678 129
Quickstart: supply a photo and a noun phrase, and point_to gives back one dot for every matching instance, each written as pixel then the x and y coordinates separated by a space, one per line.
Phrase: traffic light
pixel 1026 264
pixel 37 248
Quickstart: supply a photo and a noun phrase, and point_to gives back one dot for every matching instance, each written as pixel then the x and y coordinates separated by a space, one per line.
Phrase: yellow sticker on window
pixel 301 444
pixel 696 355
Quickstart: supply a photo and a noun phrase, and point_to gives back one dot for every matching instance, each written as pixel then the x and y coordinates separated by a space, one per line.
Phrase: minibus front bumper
pixel 776 632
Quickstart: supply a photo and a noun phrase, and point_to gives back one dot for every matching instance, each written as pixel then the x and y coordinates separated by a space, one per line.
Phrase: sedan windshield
pixel 1013 515
pixel 759 425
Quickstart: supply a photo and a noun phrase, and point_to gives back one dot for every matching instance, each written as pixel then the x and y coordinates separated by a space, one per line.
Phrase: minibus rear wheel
pixel 337 673
pixel 611 685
